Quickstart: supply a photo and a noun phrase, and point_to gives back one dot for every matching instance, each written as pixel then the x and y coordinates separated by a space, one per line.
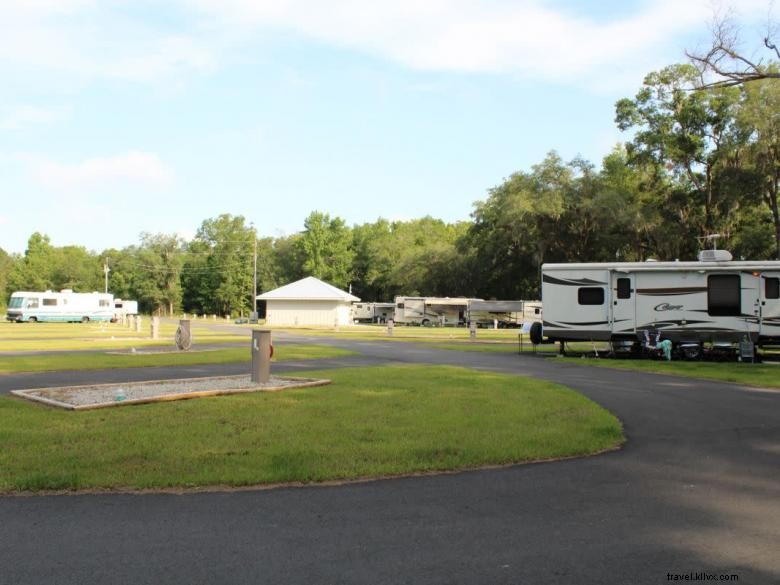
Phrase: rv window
pixel 536 311
pixel 49 302
pixel 723 295
pixel 103 303
pixel 624 288
pixel 590 295
pixel 772 288
pixel 400 305
pixel 16 303
pixel 32 303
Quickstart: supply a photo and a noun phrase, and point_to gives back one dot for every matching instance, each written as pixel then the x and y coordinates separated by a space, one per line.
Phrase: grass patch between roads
pixel 370 422
pixel 99 361
pixel 767 376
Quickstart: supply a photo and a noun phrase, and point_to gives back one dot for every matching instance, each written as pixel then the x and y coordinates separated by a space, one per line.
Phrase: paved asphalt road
pixel 695 491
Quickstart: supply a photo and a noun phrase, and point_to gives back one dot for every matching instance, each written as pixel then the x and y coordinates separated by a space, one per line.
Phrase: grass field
pixel 76 336
pixel 765 375
pixel 370 422
pixel 99 360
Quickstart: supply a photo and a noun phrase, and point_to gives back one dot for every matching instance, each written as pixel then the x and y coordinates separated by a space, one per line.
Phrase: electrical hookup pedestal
pixel 262 352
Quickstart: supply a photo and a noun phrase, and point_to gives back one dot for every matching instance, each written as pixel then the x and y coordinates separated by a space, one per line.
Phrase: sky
pixel 122 117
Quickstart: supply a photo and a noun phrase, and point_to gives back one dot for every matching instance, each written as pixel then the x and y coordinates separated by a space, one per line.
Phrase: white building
pixel 308 301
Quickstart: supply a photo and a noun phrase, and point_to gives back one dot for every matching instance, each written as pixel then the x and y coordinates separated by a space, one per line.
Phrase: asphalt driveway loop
pixel 694 492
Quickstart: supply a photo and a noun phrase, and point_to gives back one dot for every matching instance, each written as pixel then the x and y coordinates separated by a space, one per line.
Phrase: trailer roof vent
pixel 66 290
pixel 714 256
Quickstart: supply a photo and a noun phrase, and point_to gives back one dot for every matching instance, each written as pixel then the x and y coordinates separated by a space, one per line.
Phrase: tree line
pixel 697 163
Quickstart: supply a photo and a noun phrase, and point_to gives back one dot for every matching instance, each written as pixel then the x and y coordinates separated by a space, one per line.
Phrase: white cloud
pixel 84 39
pixel 526 37
pixel 27 115
pixel 537 39
pixel 114 171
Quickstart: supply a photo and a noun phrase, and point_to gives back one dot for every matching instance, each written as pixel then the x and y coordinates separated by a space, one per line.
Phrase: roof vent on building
pixel 714 256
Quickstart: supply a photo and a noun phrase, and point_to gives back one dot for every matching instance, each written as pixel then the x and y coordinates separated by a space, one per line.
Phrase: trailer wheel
pixel 536 333
pixel 85 319
pixel 32 320
pixel 426 322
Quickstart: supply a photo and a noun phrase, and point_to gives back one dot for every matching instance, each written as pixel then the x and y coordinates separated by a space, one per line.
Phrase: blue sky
pixel 119 117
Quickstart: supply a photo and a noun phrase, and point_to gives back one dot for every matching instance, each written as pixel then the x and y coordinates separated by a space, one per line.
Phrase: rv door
pixel 623 292
pixel 751 285
pixel 770 305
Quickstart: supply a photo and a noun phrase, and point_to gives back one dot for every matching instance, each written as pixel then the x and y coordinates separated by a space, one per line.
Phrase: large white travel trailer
pixel 372 312
pixel 505 313
pixel 60 306
pixel 431 310
pixel 709 301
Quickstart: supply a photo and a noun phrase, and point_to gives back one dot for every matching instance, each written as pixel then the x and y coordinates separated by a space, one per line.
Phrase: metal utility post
pixel 254 278
pixel 155 328
pixel 472 330
pixel 262 352
pixel 106 270
pixel 390 325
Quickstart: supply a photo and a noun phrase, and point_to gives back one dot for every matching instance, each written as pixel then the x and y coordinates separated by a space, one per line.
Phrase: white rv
pixel 431 310
pixel 506 313
pixel 123 308
pixel 372 312
pixel 712 300
pixel 63 306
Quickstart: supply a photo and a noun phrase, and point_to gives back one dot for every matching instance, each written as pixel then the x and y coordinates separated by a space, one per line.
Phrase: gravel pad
pixel 106 395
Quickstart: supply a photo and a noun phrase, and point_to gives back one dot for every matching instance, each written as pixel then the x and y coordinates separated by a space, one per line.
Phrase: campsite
pixel 479 293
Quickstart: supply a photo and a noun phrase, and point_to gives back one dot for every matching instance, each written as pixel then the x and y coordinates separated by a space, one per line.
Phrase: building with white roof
pixel 308 301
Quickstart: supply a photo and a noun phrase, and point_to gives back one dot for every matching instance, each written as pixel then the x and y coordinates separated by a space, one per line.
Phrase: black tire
pixel 32 320
pixel 85 319
pixel 426 322
pixel 536 333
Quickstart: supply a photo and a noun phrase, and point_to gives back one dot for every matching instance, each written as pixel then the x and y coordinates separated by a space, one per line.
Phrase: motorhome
pixel 60 306
pixel 372 312
pixel 504 313
pixel 431 310
pixel 709 301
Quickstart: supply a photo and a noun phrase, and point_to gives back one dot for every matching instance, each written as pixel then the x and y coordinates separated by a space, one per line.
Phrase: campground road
pixel 695 490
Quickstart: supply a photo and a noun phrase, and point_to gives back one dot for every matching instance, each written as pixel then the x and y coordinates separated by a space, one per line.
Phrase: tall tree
pixel 689 134
pixel 220 266
pixel 6 266
pixel 326 249
pixel 759 115
pixel 35 269
pixel 159 262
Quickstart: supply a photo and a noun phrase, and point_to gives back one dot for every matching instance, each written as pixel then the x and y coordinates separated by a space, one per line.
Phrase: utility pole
pixel 254 287
pixel 106 270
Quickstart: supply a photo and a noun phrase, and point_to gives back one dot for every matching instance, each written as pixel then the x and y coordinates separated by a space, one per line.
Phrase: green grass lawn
pixel 99 361
pixel 370 422
pixel 767 376
pixel 77 336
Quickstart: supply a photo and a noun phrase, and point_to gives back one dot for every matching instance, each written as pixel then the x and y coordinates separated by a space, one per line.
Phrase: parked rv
pixel 504 313
pixel 372 312
pixel 431 310
pixel 63 306
pixel 710 301
pixel 123 308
